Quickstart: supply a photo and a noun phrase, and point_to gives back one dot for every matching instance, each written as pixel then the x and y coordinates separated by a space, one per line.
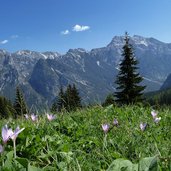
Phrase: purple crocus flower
pixel 6 133
pixel 115 122
pixel 50 117
pixel 15 133
pixel 154 114
pixel 105 128
pixel 26 116
pixel 143 126
pixel 156 120
pixel 34 117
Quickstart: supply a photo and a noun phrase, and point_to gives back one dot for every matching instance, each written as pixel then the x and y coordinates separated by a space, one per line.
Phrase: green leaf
pixel 108 108
pixel 49 168
pixel 121 165
pixel 8 162
pixel 10 155
pixel 23 161
pixel 148 164
pixel 33 168
pixel 62 166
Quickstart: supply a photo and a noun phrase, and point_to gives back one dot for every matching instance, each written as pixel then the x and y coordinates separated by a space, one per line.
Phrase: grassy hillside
pixel 76 141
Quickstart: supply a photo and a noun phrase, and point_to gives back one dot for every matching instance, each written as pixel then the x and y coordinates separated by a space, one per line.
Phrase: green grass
pixel 76 141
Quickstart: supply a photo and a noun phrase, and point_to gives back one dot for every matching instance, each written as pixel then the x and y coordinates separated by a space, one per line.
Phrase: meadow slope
pixel 76 140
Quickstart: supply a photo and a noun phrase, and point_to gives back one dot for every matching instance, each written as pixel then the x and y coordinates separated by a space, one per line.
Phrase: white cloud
pixel 4 42
pixel 80 28
pixel 65 32
pixel 14 36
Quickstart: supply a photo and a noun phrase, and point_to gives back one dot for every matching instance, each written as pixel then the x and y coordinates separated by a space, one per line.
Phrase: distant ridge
pixel 40 74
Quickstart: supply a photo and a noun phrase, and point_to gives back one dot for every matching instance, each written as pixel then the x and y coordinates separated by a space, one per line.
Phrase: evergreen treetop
pixel 69 100
pixel 19 104
pixel 128 79
pixel 6 108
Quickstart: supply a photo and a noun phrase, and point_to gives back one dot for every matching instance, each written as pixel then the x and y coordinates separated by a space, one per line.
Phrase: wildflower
pixel 15 133
pixel 13 136
pixel 50 117
pixel 26 116
pixel 154 114
pixel 1 148
pixel 34 117
pixel 6 133
pixel 105 127
pixel 143 126
pixel 115 122
pixel 156 120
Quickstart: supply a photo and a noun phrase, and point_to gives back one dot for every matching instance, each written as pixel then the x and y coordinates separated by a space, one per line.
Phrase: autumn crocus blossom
pixel 50 117
pixel 115 122
pixel 143 126
pixel 156 120
pixel 105 127
pixel 26 116
pixel 34 117
pixel 14 134
pixel 6 133
pixel 154 114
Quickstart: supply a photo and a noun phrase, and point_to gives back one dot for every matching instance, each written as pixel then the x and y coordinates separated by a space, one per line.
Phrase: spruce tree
pixel 59 102
pixel 54 107
pixel 6 108
pixel 19 104
pixel 72 98
pixel 68 98
pixel 76 98
pixel 128 79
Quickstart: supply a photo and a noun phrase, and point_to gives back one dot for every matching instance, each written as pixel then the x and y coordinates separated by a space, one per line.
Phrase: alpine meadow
pixel 102 108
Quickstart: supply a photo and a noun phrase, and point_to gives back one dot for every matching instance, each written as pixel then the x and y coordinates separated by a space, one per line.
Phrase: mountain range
pixel 40 75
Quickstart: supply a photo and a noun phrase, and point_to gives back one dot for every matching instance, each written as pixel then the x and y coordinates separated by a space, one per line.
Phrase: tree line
pixel 18 108
pixel 68 100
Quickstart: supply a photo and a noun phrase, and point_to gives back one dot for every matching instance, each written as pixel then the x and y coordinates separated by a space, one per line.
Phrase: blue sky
pixel 58 25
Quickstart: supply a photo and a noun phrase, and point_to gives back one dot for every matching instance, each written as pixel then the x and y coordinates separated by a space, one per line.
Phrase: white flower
pixel 50 117
pixel 156 120
pixel 105 127
pixel 143 126
pixel 6 133
pixel 16 132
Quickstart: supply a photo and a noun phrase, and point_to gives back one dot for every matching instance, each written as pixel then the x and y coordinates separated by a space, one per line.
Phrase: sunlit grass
pixel 76 140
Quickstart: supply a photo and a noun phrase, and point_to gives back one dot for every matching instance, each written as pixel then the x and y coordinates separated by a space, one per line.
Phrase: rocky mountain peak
pixel 117 41
pixel 90 71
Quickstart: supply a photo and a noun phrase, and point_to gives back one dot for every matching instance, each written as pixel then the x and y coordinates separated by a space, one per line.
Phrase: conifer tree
pixel 54 107
pixel 59 102
pixel 6 108
pixel 128 79
pixel 68 98
pixel 19 104
pixel 76 98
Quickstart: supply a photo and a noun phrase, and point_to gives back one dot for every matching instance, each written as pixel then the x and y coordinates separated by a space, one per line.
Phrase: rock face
pixel 41 74
pixel 167 83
